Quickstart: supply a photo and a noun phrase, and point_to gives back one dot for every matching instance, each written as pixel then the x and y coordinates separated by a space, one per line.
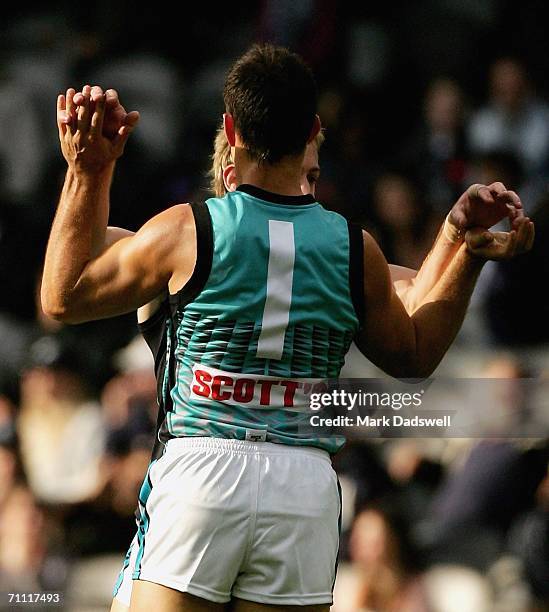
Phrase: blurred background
pixel 418 100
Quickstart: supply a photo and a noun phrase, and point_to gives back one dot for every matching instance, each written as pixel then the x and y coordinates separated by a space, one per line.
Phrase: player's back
pixel 267 312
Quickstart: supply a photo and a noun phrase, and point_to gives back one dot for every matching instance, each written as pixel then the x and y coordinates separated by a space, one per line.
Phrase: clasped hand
pixel 93 127
pixel 481 207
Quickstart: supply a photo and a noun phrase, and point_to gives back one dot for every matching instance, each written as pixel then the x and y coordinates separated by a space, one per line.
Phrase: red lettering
pixel 244 390
pixel 266 385
pixel 289 394
pixel 202 377
pixel 217 394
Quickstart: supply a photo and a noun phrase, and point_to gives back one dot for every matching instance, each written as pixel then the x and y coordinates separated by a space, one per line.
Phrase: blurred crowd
pixel 417 103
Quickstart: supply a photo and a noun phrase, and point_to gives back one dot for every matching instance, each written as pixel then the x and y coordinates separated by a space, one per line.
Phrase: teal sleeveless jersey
pixel 271 317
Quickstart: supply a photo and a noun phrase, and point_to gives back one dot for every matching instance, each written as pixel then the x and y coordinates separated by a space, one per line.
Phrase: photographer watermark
pixel 449 408
pixel 362 399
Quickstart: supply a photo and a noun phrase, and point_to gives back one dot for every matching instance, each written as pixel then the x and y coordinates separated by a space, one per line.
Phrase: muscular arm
pixel 82 280
pixel 114 234
pixel 80 285
pixel 478 208
pixel 412 287
pixel 400 274
pixel 406 345
pixel 99 190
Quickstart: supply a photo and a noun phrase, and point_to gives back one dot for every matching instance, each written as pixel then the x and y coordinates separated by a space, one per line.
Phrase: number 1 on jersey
pixel 280 274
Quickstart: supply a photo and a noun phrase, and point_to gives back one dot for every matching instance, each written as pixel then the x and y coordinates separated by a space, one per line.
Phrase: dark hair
pixel 271 94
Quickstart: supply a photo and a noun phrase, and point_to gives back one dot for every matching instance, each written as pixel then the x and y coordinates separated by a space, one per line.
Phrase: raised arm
pixel 475 211
pixel 412 287
pixel 412 345
pixel 407 346
pixel 77 287
pixel 114 234
pixel 116 125
pixel 84 281
pixel 145 312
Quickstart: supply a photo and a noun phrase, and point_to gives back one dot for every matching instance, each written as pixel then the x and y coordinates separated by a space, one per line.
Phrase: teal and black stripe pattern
pixel 124 568
pixel 277 303
pixel 143 522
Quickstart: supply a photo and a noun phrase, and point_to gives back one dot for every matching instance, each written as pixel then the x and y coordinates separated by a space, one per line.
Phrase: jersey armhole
pixel 204 258
pixel 153 331
pixel 356 269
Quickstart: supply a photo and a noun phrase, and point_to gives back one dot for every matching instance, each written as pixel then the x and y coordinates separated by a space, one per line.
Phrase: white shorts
pixel 223 518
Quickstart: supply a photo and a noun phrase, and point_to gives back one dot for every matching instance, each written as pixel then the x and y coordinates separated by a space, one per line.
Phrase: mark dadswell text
pixel 394 420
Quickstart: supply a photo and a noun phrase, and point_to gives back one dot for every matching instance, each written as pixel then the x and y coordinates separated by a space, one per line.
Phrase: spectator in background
pixel 129 410
pixel 61 429
pixel 417 476
pixel 471 513
pixel 10 471
pixel 8 436
pixel 502 166
pixel 516 283
pixel 129 398
pixel 384 574
pixel 529 540
pixel 496 321
pixel 25 542
pixel 404 226
pixel 437 153
pixel 350 155
pixel 22 154
pixel 21 253
pixel 103 524
pixel 477 504
pixel 310 27
pixel 514 120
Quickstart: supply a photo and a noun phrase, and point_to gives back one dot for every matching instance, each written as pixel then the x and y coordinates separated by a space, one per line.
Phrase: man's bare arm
pixel 413 288
pixel 412 346
pixel 128 274
pixel 144 313
pixel 410 340
pixel 477 206
pixel 400 274
pixel 93 184
pixel 114 234
pixel 68 115
pixel 115 117
pixel 78 283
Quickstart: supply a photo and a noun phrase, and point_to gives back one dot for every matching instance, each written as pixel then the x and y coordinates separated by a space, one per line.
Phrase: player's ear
pixel 228 127
pixel 315 129
pixel 229 177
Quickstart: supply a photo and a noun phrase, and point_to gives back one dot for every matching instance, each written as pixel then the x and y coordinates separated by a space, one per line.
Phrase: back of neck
pixel 283 178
